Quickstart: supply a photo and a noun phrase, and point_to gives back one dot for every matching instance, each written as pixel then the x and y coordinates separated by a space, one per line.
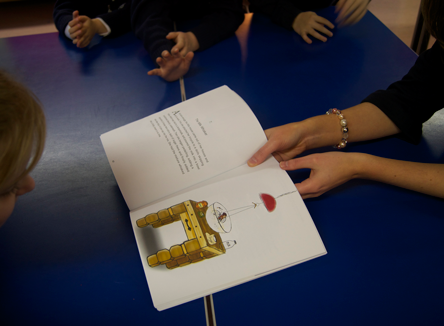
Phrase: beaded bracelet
pixel 344 128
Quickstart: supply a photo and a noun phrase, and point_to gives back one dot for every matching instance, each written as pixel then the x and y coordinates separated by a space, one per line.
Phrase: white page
pixel 217 131
pixel 265 241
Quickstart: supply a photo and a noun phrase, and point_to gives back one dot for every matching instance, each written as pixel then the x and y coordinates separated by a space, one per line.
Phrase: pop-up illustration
pixel 203 225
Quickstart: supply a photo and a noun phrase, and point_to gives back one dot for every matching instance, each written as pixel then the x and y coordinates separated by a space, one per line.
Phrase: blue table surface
pixel 385 245
pixel 68 255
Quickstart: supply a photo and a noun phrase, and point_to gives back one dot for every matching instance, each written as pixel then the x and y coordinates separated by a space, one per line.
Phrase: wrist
pixel 321 131
pixel 194 41
pixel 359 165
pixel 294 25
pixel 99 28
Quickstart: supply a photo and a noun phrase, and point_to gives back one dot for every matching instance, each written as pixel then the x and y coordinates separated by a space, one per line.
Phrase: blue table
pixel 68 255
pixel 385 245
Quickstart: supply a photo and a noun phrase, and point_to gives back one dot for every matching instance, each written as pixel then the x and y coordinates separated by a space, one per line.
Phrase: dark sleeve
pixel 284 12
pixel 63 10
pixel 118 20
pixel 151 22
pixel 223 19
pixel 414 99
pixel 281 12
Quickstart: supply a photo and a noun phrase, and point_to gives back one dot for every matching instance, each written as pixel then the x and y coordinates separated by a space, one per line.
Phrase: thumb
pixel 189 56
pixel 304 188
pixel 262 154
pixel 75 14
pixel 172 35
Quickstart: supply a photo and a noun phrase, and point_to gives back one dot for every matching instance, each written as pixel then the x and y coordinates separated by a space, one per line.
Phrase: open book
pixel 203 220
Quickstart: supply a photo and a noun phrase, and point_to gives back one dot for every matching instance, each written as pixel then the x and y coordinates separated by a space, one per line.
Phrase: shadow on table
pixel 121 47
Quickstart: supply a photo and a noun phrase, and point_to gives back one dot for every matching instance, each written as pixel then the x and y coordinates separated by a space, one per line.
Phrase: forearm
pixel 364 121
pixel 414 99
pixel 99 28
pixel 282 12
pixel 62 14
pixel 421 177
pixel 119 20
pixel 151 22
pixel 221 21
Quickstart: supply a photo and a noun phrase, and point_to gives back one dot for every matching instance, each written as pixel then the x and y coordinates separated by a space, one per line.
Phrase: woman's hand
pixel 284 143
pixel 328 170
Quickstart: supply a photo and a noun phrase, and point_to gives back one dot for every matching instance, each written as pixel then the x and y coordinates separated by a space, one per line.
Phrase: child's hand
pixel 84 28
pixel 185 42
pixel 350 11
pixel 308 23
pixel 74 25
pixel 172 66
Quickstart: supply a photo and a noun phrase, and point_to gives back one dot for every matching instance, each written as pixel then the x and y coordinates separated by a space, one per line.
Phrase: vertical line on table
pixel 181 82
pixel 209 310
pixel 182 89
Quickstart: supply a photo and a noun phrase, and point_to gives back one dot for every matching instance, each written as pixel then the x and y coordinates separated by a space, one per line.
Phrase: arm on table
pixel 329 170
pixel 365 121
pixel 118 20
pixel 63 13
pixel 286 14
pixel 151 22
pixel 401 109
pixel 82 29
pixel 221 21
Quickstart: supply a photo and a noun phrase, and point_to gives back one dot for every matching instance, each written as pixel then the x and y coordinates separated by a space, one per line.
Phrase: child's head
pixel 22 138
pixel 433 12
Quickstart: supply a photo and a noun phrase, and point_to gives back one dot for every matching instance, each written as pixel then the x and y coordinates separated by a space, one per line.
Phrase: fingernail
pixel 252 161
pixel 283 165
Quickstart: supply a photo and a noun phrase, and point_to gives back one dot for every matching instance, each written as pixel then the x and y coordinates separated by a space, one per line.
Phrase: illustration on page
pixel 203 225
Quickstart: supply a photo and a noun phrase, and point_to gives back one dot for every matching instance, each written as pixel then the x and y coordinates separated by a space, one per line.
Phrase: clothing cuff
pixel 108 30
pixel 67 31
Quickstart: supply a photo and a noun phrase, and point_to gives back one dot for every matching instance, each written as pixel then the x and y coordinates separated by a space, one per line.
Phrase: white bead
pixel 343 122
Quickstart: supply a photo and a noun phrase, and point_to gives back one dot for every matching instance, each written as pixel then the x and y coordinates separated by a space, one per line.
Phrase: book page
pixel 248 223
pixel 182 145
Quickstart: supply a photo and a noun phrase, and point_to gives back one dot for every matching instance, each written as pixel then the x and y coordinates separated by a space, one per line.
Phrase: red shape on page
pixel 269 202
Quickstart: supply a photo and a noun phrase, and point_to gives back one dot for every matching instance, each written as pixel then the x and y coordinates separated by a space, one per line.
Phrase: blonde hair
pixel 22 129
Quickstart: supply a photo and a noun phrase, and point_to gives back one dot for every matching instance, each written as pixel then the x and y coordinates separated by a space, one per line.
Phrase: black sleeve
pixel 414 99
pixel 223 18
pixel 151 22
pixel 63 10
pixel 284 12
pixel 118 20
pixel 281 12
